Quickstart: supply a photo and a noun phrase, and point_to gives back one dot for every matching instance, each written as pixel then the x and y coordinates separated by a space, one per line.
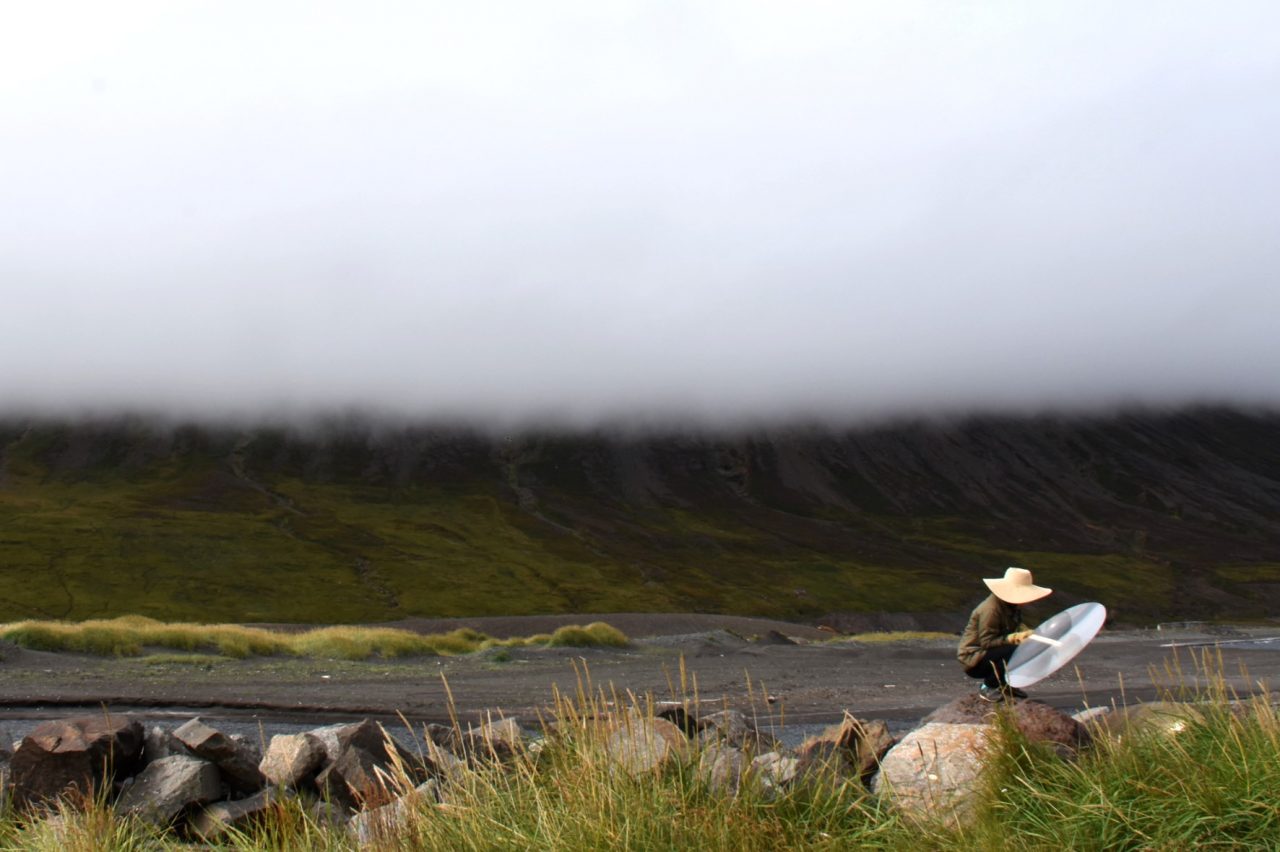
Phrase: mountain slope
pixel 1173 515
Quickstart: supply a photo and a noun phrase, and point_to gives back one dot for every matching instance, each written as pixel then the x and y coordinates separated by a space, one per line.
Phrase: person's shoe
pixel 1015 692
pixel 990 693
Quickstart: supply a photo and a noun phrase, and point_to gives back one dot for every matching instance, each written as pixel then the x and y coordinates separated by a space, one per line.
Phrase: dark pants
pixel 991 667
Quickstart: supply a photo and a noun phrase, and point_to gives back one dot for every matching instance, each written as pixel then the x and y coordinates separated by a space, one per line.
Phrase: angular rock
pixel 639 745
pixel 384 823
pixel 237 762
pixel 217 819
pixel 774 770
pixel 292 760
pixel 849 750
pixel 722 768
pixel 934 773
pixel 169 786
pixel 328 737
pixel 1168 718
pixel 79 754
pixel 441 735
pixel 364 771
pixel 1035 720
pixel 496 739
pixel 159 743
pixel 733 728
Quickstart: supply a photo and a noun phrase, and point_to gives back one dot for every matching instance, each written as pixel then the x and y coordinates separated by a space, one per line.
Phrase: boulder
pixel 78 754
pixel 934 772
pixel 1168 718
pixel 364 769
pixel 722 768
pixel 382 824
pixel 849 750
pixel 168 786
pixel 1035 720
pixel 733 728
pixel 217 819
pixel 774 770
pixel 292 760
pixel 638 744
pixel 159 743
pixel 496 739
pixel 237 762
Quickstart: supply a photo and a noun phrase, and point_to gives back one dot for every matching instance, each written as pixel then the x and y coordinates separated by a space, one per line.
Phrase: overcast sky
pixel 588 210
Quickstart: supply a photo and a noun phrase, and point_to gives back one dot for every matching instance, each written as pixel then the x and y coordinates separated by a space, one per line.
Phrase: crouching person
pixel 995 629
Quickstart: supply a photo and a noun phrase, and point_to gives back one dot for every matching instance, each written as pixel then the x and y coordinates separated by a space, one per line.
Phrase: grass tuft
pixel 129 636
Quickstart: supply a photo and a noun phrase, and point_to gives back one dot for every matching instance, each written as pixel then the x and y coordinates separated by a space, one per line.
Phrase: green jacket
pixel 989 627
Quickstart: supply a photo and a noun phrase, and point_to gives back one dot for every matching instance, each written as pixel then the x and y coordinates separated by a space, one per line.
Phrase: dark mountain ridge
pixel 1159 515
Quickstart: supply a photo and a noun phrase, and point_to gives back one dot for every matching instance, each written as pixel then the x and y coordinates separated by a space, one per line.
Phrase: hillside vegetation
pixel 1158 516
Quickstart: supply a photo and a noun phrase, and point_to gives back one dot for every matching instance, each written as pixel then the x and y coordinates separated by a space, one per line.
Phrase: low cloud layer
pixel 585 211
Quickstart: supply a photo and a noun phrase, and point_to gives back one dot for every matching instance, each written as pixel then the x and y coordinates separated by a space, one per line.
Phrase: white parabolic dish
pixel 1055 643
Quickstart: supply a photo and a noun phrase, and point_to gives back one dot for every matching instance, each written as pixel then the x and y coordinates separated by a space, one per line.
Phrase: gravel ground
pixel 811 682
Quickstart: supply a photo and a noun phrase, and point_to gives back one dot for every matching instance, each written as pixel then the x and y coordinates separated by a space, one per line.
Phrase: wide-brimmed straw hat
pixel 1015 587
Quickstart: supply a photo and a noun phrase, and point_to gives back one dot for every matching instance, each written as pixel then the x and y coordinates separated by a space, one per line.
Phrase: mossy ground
pixel 203 535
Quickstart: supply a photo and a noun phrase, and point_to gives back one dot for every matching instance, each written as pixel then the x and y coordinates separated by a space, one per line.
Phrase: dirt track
pixel 811 682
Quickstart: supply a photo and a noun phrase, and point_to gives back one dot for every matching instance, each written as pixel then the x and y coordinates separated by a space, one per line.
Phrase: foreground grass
pixel 1210 782
pixel 129 635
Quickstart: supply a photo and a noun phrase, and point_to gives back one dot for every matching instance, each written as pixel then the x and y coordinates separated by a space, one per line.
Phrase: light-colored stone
pixel 1169 718
pixel 380 824
pixel 292 760
pixel 722 768
pixel 637 744
pixel 934 773
pixel 495 739
pixel 774 768
pixel 159 743
pixel 733 728
pixel 1090 715
pixel 169 786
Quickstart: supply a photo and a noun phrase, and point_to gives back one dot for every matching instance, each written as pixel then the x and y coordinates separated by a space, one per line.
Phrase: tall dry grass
pixel 1211 781
pixel 130 635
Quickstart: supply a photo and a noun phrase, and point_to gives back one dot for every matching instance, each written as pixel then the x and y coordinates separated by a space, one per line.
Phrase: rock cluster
pixel 202 782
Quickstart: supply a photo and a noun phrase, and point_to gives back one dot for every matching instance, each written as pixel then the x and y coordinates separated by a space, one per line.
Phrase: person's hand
pixel 1019 637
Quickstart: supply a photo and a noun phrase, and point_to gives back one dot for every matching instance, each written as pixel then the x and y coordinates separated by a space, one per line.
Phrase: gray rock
pixel 217 819
pixel 495 740
pixel 733 728
pixel 722 768
pixel 159 743
pixel 168 786
pixel 637 744
pixel 365 765
pixel 81 754
pixel 774 770
pixel 383 823
pixel 935 772
pixel 292 760
pixel 237 762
